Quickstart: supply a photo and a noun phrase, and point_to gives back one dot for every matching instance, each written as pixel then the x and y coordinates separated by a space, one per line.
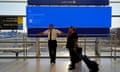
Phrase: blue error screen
pixel 62 17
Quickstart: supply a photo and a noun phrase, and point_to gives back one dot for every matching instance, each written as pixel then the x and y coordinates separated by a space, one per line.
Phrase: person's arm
pixel 60 32
pixel 44 32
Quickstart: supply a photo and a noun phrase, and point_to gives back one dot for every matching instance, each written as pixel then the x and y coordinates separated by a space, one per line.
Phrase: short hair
pixel 51 25
pixel 73 28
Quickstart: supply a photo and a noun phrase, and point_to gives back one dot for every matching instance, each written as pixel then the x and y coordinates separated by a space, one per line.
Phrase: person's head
pixel 51 26
pixel 71 29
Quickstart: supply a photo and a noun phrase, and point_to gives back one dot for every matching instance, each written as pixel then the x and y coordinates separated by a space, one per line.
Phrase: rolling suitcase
pixel 92 65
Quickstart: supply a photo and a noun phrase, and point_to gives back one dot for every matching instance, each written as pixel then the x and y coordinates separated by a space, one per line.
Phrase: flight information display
pixel 11 22
pixel 68 2
pixel 88 20
pixel 63 17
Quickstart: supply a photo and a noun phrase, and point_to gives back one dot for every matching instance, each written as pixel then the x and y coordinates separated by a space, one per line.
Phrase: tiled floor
pixel 43 65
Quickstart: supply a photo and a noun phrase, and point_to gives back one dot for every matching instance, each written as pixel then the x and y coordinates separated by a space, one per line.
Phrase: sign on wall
pixel 68 2
pixel 11 22
pixel 87 20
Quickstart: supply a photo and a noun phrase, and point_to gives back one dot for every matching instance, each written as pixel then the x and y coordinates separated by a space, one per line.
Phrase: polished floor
pixel 43 65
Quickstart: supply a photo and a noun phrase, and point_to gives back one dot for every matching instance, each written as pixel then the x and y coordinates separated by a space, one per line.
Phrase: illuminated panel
pixel 87 20
pixel 62 17
pixel 11 22
pixel 68 2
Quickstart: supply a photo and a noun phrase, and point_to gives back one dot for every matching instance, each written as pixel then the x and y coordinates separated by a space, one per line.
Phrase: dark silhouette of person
pixel 72 45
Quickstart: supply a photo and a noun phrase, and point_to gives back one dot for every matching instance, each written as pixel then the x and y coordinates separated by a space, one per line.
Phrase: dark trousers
pixel 52 45
pixel 74 57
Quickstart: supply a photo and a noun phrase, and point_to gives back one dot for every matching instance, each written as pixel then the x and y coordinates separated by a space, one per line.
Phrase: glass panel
pixel 11 43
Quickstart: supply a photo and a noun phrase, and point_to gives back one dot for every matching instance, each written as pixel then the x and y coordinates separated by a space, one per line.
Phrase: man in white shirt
pixel 52 42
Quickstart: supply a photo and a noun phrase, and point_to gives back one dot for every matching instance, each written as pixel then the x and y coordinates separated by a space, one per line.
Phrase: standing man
pixel 72 45
pixel 52 42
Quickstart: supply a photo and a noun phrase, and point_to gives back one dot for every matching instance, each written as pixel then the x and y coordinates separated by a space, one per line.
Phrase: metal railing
pixel 96 43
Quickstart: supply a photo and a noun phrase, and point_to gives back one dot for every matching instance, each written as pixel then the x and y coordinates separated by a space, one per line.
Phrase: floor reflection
pixel 52 68
pixel 43 65
pixel 37 65
pixel 79 68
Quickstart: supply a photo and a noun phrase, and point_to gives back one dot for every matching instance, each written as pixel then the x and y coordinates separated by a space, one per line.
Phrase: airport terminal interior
pixel 21 51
